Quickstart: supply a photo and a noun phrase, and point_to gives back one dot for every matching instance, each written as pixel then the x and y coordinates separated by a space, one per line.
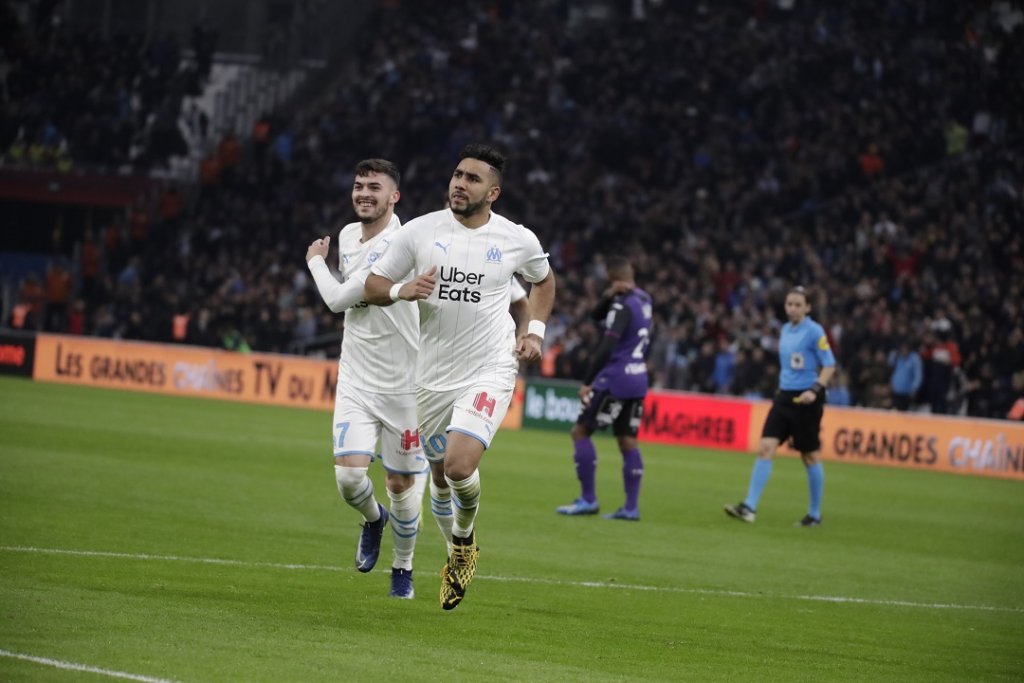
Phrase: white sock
pixel 420 484
pixel 405 523
pixel 441 509
pixel 357 490
pixel 465 503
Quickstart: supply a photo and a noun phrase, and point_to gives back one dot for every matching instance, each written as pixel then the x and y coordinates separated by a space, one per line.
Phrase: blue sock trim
pixel 361 497
pixel 396 520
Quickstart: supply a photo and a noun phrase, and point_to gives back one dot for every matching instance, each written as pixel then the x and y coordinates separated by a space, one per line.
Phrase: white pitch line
pixel 72 666
pixel 170 558
pixel 523 579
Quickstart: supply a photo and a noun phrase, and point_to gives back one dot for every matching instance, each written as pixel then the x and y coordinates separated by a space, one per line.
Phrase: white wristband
pixel 536 327
pixel 393 292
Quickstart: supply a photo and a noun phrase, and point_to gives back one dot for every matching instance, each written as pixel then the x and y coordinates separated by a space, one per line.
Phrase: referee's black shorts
pixel 800 422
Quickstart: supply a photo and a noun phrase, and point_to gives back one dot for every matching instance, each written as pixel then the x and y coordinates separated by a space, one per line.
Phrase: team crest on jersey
pixel 493 255
pixel 374 255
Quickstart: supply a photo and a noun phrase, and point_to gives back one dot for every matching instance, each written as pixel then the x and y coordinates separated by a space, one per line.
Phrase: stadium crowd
pixel 71 99
pixel 871 150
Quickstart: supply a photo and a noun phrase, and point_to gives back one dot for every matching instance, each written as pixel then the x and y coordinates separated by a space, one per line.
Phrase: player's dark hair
pixel 368 166
pixel 486 154
pixel 617 264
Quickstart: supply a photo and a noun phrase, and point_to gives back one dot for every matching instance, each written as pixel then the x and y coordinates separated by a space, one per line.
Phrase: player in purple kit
pixel 613 391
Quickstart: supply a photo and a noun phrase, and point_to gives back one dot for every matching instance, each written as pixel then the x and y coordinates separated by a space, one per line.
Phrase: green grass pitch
pixel 192 540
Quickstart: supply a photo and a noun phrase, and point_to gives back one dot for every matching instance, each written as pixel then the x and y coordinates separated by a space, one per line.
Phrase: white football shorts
pixel 361 419
pixel 477 410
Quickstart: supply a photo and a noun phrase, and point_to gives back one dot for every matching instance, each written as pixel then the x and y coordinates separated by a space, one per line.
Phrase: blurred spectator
pixel 89 264
pixel 1016 411
pixel 171 206
pixel 229 153
pixel 725 367
pixel 874 377
pixel 29 308
pixel 871 163
pixel 58 286
pixel 77 318
pixel 907 375
pixel 838 393
pixel 941 357
pixel 261 137
pixel 956 138
pixel 201 330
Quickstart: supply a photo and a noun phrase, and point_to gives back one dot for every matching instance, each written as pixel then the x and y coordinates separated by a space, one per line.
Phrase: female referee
pixel 807 364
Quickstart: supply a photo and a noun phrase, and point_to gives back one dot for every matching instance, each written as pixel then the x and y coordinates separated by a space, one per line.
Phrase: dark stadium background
pixel 163 166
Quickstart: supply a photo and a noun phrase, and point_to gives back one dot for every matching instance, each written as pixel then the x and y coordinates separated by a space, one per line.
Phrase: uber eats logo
pixel 455 285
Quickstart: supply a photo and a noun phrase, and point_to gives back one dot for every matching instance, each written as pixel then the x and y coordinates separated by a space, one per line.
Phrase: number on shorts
pixel 438 443
pixel 342 428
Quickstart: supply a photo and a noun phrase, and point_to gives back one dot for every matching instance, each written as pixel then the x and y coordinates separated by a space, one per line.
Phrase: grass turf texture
pixel 913 577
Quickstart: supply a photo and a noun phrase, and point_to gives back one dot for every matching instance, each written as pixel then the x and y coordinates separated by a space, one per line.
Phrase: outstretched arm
pixel 338 296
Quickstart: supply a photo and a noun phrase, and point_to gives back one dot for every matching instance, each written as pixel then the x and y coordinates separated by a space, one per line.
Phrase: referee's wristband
pixel 818 388
pixel 536 327
pixel 393 292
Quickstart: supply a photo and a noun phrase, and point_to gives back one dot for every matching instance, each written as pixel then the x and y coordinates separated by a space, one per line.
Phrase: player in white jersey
pixel 375 397
pixel 440 494
pixel 464 258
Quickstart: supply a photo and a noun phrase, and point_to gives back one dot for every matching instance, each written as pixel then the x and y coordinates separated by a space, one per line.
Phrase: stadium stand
pixel 873 150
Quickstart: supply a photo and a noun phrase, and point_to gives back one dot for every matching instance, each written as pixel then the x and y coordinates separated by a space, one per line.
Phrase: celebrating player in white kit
pixel 463 258
pixel 375 397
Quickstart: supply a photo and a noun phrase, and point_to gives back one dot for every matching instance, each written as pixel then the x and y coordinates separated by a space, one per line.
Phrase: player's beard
pixel 376 211
pixel 471 208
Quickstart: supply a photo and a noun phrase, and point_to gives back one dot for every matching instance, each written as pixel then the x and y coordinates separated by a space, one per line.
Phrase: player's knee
pixel 627 443
pixel 579 432
pixel 457 470
pixel 398 483
pixel 351 480
pixel 767 447
pixel 400 497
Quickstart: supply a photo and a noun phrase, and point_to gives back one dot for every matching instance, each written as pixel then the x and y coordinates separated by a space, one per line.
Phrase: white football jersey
pixel 466 331
pixel 378 349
